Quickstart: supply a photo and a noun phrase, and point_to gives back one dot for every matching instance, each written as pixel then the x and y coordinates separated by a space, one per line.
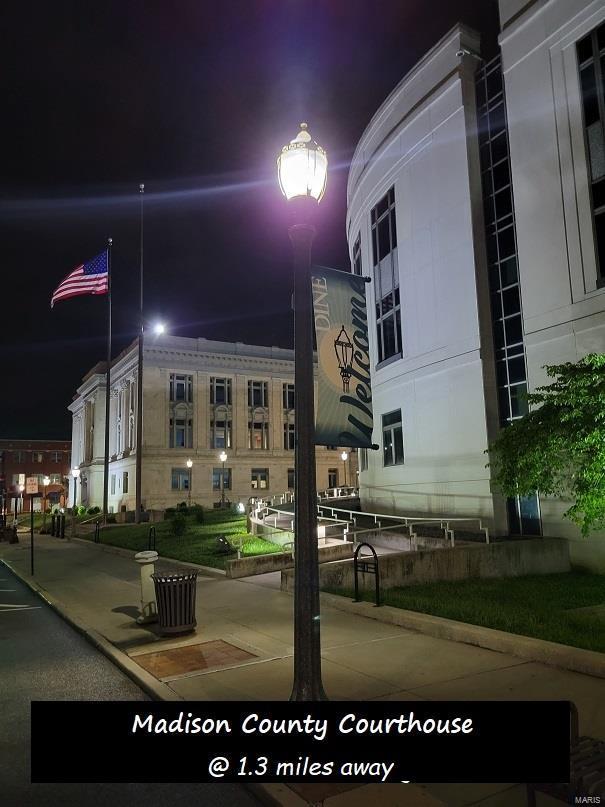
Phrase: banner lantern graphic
pixel 344 407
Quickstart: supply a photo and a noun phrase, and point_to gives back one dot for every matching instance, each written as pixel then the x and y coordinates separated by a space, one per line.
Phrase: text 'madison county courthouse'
pixel 476 204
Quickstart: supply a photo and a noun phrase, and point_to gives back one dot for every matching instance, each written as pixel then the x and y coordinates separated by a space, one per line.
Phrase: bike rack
pixel 369 565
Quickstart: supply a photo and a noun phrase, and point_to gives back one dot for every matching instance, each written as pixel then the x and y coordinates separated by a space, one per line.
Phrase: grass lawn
pixel 197 545
pixel 535 605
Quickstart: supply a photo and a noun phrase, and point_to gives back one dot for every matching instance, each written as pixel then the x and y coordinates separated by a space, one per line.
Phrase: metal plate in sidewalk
pixel 192 658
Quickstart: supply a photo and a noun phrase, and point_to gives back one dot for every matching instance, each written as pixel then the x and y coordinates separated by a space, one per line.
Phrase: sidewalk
pixel 248 628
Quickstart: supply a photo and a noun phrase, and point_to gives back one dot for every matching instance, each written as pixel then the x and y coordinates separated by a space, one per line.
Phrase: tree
pixel 558 448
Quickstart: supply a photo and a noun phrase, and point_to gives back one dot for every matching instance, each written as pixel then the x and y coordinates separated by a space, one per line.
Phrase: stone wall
pixel 259 564
pixel 501 559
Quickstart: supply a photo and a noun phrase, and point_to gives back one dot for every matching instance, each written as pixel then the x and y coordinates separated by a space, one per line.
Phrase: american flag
pixel 88 278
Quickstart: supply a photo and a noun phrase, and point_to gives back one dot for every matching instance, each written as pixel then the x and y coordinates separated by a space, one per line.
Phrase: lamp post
pixel 46 483
pixel 344 457
pixel 189 466
pixel 302 170
pixel 223 458
pixel 75 473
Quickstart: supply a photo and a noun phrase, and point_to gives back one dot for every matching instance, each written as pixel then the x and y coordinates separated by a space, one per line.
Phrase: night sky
pixel 195 99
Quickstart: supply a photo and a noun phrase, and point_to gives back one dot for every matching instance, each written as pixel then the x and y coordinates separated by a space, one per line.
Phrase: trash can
pixel 175 598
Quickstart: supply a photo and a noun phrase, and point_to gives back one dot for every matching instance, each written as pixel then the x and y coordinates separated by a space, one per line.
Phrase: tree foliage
pixel 558 448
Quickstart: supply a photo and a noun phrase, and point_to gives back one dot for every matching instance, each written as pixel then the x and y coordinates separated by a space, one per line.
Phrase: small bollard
pixel 62 522
pixel 149 610
pixel 53 522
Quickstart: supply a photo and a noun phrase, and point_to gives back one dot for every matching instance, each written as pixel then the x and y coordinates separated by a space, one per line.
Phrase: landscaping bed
pixel 541 606
pixel 198 541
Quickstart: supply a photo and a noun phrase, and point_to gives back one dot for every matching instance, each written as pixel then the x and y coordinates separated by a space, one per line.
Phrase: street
pixel 42 657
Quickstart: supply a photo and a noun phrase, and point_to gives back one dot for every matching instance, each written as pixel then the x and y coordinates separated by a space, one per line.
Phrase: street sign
pixel 31 485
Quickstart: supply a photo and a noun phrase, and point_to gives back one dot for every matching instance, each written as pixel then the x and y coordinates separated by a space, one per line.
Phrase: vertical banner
pixel 344 408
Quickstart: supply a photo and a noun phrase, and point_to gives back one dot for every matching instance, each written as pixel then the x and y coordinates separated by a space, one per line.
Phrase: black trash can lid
pixel 174 576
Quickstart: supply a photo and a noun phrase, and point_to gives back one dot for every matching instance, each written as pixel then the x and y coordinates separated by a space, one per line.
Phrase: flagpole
pixel 107 386
pixel 139 431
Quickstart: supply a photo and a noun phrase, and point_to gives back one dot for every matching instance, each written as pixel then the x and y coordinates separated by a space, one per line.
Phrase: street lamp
pixel 223 458
pixel 189 466
pixel 46 483
pixel 75 473
pixel 344 457
pixel 159 328
pixel 302 170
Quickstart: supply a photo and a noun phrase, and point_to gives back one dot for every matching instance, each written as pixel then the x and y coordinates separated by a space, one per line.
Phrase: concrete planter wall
pixel 502 559
pixel 259 564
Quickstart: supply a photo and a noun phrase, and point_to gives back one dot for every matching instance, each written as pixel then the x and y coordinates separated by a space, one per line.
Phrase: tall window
pixel 217 473
pixel 363 459
pixel 181 387
pixel 258 431
pixel 392 438
pixel 291 478
pixel 220 429
pixel 289 436
pixel 181 433
pixel 258 393
pixel 113 484
pixel 356 265
pixel 180 479
pixel 55 456
pixel 386 278
pixel 124 481
pixel 259 478
pixel 332 477
pixel 220 391
pixel 18 457
pixel 288 396
pixel 591 59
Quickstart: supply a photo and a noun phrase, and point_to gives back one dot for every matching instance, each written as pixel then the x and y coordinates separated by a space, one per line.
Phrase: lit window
pixel 217 473
pixel 220 391
pixel 386 278
pixel 258 393
pixel 180 478
pixel 392 438
pixel 181 388
pixel 259 478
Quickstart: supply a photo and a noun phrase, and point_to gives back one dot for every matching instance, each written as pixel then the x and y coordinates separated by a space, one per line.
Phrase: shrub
pixel 198 513
pixel 178 525
pixel 170 512
pixel 182 506
pixel 81 510
pixel 92 511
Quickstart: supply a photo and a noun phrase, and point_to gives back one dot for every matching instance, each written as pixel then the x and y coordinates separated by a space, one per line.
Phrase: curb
pixel 576 659
pixel 151 686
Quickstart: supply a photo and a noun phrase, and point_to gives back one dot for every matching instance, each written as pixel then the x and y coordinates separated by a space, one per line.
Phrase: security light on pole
pixel 302 168
pixel 189 466
pixel 46 483
pixel 344 457
pixel 75 472
pixel 223 458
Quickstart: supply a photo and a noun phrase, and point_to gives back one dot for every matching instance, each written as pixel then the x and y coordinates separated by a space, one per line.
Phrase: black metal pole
pixel 107 386
pixel 223 488
pixel 73 509
pixel 139 430
pixel 16 503
pixel 307 647
pixel 31 532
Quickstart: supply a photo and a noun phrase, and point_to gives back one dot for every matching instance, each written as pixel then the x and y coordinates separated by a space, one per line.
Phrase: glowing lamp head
pixel 302 167
pixel 190 463
pixel 21 488
pixel 159 328
pixel 46 481
pixel 222 457
pixel 75 472
pixel 344 456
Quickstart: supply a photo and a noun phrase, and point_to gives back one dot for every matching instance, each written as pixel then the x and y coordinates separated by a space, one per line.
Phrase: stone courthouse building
pixel 200 398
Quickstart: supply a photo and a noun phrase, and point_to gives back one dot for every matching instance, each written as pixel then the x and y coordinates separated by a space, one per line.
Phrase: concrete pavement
pixel 363 659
